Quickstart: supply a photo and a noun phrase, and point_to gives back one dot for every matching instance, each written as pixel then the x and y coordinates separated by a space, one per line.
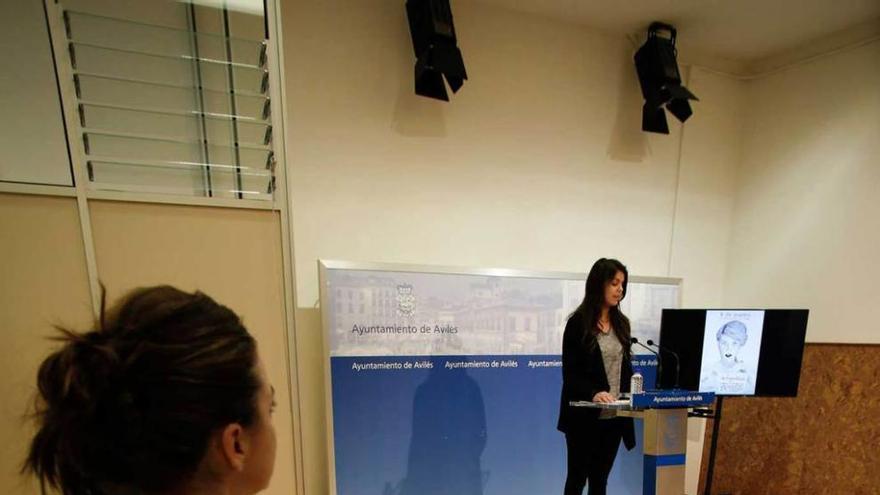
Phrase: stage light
pixel 680 108
pixel 654 120
pixel 435 47
pixel 660 80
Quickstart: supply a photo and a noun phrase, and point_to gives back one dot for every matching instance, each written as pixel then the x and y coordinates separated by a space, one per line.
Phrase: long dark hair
pixel 601 274
pixel 132 403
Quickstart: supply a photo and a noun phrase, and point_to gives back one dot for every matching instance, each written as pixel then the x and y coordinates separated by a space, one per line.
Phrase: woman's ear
pixel 234 446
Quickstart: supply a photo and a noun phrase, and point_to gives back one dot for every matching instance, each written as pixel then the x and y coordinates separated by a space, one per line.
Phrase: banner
pixel 446 381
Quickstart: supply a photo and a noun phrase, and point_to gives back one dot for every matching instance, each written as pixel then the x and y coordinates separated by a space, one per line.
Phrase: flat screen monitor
pixel 744 352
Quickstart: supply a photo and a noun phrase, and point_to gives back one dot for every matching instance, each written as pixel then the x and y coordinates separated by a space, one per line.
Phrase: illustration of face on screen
pixel 732 336
pixel 731 345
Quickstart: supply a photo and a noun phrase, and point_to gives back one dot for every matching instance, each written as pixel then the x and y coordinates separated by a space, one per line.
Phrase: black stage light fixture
pixel 660 80
pixel 435 46
pixel 654 120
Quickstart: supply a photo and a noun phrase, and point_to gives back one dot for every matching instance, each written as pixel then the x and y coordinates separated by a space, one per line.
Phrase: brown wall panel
pixel 233 255
pixel 43 282
pixel 823 441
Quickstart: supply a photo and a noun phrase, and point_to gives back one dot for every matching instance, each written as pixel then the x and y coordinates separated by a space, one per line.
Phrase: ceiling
pixel 740 31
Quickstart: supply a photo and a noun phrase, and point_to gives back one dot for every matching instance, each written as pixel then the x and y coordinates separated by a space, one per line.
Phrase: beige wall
pixel 518 171
pixel 234 255
pixel 538 162
pixel 807 220
pixel 43 282
pixel 711 152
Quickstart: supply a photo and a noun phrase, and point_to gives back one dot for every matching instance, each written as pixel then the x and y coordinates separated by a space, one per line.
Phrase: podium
pixel 664 416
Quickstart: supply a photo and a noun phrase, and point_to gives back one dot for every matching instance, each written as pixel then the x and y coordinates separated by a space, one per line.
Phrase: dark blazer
pixel 583 376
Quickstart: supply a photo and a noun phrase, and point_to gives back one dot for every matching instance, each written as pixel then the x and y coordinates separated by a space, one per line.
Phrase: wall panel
pixel 823 441
pixel 234 255
pixel 43 282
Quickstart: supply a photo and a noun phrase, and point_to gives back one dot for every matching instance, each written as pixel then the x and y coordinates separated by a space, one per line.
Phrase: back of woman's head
pixel 133 402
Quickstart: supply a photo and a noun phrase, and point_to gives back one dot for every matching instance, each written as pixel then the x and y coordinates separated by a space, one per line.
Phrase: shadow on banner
pixel 448 437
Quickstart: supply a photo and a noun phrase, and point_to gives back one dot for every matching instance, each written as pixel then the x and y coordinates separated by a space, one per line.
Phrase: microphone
pixel 675 355
pixel 659 360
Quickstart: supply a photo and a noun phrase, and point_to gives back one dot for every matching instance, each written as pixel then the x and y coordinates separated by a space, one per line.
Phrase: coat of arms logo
pixel 406 300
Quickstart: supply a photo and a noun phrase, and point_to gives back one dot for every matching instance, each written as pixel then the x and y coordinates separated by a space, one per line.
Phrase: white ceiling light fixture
pixel 253 7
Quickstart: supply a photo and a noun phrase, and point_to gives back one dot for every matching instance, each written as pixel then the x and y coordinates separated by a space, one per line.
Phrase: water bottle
pixel 636 384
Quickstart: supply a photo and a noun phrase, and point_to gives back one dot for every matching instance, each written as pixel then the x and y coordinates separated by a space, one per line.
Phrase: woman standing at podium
pixel 596 367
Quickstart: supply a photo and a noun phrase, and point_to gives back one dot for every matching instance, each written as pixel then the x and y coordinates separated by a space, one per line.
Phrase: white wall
pixel 711 152
pixel 516 171
pixel 538 162
pixel 32 144
pixel 807 219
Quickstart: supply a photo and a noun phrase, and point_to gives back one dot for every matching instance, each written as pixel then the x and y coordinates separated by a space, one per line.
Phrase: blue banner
pixel 421 404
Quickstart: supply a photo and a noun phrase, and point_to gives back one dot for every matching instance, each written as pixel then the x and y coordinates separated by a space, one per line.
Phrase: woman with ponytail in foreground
pixel 166 396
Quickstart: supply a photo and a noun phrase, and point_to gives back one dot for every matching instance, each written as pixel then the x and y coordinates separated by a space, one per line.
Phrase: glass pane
pixel 173 96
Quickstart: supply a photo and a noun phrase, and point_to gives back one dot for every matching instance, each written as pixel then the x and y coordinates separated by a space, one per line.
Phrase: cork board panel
pixel 823 441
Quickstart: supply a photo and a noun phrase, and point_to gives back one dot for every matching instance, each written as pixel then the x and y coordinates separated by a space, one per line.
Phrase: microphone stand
pixel 677 360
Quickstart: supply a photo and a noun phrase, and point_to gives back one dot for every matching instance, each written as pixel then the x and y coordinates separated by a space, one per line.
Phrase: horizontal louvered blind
pixel 172 97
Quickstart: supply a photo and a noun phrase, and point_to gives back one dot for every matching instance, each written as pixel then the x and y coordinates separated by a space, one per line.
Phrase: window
pixel 172 97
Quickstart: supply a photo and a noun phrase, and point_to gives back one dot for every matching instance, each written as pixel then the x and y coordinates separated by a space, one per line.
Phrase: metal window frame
pixel 281 203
